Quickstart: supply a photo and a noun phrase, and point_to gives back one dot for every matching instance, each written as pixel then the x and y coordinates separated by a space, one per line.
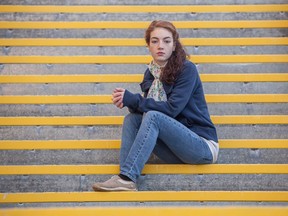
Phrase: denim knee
pixel 152 114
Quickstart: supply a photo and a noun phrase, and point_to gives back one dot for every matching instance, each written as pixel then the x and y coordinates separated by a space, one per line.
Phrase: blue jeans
pixel 167 138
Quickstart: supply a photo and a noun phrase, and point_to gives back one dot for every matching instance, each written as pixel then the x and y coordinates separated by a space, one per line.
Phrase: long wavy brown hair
pixel 173 67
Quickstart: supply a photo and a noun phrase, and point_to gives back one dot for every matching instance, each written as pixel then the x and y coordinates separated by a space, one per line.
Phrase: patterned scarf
pixel 156 90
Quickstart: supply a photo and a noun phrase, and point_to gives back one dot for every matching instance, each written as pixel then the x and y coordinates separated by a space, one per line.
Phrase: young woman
pixel 171 120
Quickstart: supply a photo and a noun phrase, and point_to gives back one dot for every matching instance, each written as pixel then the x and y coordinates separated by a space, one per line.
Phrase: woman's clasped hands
pixel 117 97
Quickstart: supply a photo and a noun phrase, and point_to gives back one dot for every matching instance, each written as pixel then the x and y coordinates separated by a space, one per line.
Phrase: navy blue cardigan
pixel 185 101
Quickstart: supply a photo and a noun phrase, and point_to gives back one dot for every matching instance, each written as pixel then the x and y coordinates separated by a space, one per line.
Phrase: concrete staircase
pixel 59 132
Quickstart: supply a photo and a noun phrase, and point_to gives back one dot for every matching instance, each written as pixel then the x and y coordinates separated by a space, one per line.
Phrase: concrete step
pixel 137 33
pixel 104 88
pixel 102 110
pixel 74 183
pixel 77 157
pixel 49 69
pixel 223 50
pixel 114 132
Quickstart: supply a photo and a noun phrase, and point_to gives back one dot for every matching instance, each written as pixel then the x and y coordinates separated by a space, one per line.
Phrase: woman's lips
pixel 160 53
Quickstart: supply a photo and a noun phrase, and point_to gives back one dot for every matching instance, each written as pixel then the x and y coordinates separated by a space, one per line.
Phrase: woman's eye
pixel 167 41
pixel 154 41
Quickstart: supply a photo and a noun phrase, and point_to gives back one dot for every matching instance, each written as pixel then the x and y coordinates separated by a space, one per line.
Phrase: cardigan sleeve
pixel 181 92
pixel 144 85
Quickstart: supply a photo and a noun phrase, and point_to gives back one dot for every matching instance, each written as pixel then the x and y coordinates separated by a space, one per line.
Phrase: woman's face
pixel 161 45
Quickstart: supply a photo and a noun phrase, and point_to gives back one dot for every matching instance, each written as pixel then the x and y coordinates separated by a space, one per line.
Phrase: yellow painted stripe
pixel 59 99
pixel 142 24
pixel 253 143
pixel 118 120
pixel 145 196
pixel 131 78
pixel 59 144
pixel 250 119
pixel 140 42
pixel 151 211
pixel 268 77
pixel 106 99
pixel 247 98
pixel 98 78
pixel 115 144
pixel 143 9
pixel 148 169
pixel 140 59
pixel 72 120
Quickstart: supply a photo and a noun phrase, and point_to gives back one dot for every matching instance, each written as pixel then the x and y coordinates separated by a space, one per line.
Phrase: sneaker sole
pixel 112 189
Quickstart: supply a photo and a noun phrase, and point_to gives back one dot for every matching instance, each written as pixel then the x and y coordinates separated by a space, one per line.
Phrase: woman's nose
pixel 160 45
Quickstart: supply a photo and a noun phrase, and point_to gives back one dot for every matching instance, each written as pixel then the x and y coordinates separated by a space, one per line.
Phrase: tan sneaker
pixel 115 183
